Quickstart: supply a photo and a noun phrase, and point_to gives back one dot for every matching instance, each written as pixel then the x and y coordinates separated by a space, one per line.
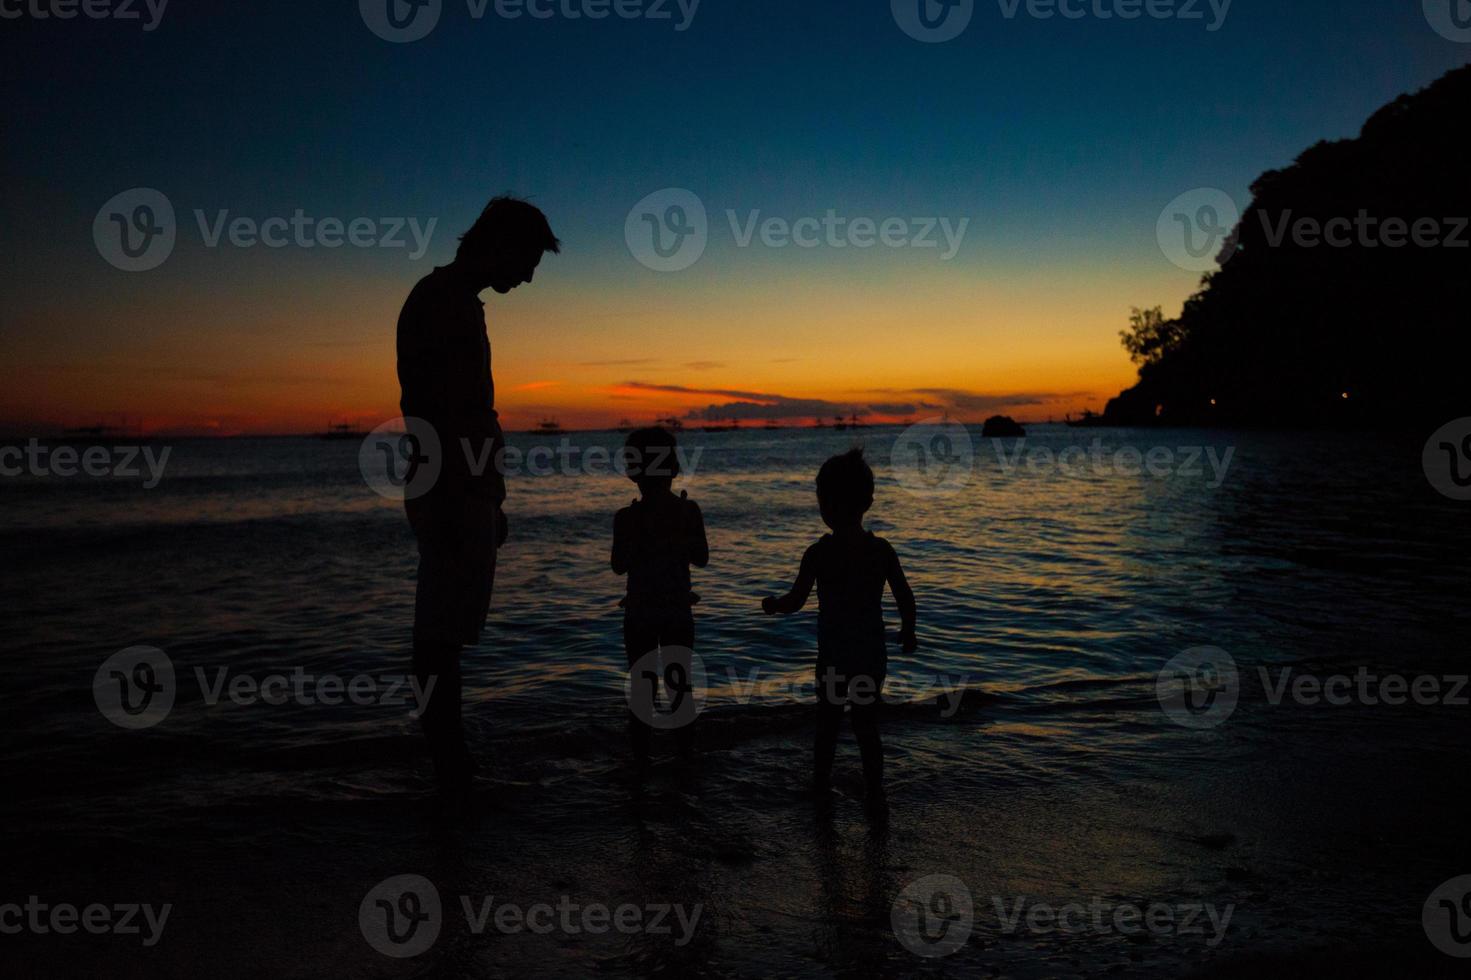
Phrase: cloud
pixel 748 405
pixel 620 362
pixel 704 365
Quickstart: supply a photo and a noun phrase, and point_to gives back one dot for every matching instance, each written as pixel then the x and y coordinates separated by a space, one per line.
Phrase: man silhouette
pixel 444 374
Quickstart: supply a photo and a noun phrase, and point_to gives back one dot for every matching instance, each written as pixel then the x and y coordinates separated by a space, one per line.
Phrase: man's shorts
pixel 457 538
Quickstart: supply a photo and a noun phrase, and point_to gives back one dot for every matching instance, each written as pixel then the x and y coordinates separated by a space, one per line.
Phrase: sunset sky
pixel 1060 141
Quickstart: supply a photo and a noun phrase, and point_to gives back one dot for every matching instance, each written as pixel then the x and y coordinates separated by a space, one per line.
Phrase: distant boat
pixel 819 424
pixel 672 424
pixel 734 426
pixel 1089 420
pixel 548 427
pixel 625 425
pixel 771 425
pixel 341 431
pixel 853 423
pixel 840 424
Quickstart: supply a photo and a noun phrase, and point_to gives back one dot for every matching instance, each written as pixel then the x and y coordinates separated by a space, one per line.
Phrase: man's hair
pixel 509 222
pixel 845 484
pixel 649 454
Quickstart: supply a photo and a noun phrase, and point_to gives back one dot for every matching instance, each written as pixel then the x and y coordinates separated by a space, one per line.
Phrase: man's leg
pixel 438 663
pixel 437 644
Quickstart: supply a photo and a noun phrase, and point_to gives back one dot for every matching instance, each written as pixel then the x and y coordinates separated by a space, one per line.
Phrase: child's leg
pixel 638 639
pixel 866 730
pixel 679 631
pixel 831 694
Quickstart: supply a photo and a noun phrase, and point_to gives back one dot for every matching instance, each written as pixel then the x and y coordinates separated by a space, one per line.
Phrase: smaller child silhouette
pixel 850 568
pixel 655 541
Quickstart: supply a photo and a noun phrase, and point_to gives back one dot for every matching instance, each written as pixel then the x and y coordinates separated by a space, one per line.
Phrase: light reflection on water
pixel 1056 594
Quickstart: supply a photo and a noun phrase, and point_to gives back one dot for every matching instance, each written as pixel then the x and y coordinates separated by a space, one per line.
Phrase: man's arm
pixel 472 406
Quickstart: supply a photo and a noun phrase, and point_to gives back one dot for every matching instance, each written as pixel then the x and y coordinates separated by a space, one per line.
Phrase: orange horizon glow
pixel 287 360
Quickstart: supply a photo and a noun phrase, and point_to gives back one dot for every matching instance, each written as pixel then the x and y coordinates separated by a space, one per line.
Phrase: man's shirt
pixel 444 376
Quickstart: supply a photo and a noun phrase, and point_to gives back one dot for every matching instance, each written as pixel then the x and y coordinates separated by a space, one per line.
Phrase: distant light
pixel 1213 401
pixel 1345 394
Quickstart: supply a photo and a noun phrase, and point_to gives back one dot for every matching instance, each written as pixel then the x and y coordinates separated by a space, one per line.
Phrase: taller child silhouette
pixel 444 374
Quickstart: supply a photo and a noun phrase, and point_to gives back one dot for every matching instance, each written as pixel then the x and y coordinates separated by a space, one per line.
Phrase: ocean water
pixel 1050 598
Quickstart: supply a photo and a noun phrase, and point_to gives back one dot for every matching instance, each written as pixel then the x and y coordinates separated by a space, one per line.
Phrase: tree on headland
pixel 1150 336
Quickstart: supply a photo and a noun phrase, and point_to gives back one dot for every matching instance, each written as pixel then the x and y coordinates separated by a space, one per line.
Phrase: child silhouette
pixel 850 567
pixel 655 541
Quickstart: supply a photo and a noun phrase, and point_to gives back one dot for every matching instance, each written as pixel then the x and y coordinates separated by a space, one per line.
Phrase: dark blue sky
pixel 1060 139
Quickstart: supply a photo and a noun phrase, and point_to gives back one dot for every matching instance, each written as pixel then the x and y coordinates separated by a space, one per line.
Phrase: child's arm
pixel 797 598
pixel 696 547
pixel 622 547
pixel 904 596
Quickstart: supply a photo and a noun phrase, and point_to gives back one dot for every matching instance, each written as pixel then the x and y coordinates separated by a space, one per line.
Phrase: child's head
pixel 650 458
pixel 844 489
